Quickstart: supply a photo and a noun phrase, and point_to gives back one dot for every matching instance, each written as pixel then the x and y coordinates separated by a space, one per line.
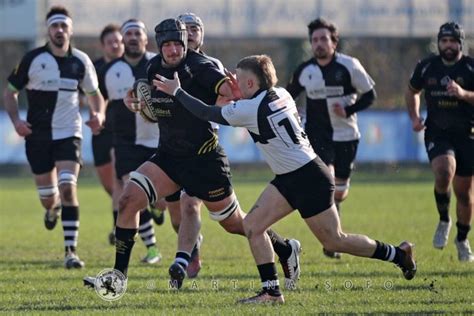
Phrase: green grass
pixel 32 278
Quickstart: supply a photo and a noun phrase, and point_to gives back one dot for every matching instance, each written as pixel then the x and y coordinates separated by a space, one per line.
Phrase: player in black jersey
pixel 112 48
pixel 302 180
pixel 448 82
pixel 52 76
pixel 188 157
pixel 336 87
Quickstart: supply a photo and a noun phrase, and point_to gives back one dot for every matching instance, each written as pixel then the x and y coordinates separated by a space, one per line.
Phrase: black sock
pixel 146 230
pixel 281 247
pixel 70 221
pixel 115 214
pixel 387 252
pixel 182 258
pixel 463 230
pixel 269 278
pixel 124 241
pixel 442 203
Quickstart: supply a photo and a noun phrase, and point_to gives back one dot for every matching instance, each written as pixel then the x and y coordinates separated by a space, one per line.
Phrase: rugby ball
pixel 142 90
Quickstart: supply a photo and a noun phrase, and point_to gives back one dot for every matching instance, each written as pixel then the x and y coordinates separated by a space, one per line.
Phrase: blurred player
pixel 134 139
pixel 112 48
pixel 302 180
pixel 336 86
pixel 52 75
pixel 449 131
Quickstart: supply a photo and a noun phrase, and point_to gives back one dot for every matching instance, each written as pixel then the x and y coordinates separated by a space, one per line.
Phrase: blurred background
pixel 388 37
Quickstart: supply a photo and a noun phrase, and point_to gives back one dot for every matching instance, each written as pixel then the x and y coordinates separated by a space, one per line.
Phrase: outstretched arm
pixel 198 108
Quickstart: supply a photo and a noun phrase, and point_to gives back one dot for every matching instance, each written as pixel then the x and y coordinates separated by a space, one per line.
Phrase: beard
pixel 58 41
pixel 449 54
pixel 321 53
pixel 133 52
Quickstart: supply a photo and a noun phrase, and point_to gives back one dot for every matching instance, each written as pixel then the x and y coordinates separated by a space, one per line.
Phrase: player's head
pixel 195 29
pixel 323 37
pixel 450 41
pixel 59 23
pixel 111 41
pixel 172 40
pixel 134 37
pixel 254 73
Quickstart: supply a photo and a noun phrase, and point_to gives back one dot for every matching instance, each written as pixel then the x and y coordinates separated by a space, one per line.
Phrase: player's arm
pixel 97 111
pixel 365 100
pixel 455 90
pixel 198 108
pixel 412 99
pixel 10 99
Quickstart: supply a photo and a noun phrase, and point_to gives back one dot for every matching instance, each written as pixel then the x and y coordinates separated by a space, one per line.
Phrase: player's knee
pixel 48 193
pixel 444 174
pixel 252 228
pixel 145 184
pixel 191 206
pixel 464 198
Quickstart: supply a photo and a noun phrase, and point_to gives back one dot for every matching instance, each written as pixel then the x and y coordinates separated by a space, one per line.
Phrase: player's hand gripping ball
pixel 142 90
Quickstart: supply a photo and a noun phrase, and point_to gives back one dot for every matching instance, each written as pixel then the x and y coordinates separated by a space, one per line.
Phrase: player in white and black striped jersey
pixel 337 87
pixel 52 75
pixel 302 180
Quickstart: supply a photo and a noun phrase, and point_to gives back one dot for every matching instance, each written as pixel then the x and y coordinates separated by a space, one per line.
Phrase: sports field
pixel 390 206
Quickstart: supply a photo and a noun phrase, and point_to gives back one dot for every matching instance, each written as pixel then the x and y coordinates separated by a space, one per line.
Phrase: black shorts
pixel 42 155
pixel 439 143
pixel 102 147
pixel 205 176
pixel 129 157
pixel 309 189
pixel 339 154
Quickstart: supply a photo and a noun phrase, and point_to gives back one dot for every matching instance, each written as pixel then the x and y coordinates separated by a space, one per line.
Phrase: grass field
pixel 391 207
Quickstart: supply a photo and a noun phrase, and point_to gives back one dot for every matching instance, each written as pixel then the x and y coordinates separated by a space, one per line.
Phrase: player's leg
pixel 326 227
pixel 68 172
pixel 145 186
pixel 269 208
pixel 464 190
pixel 463 185
pixel 40 159
pixel 67 157
pixel 343 166
pixel 191 222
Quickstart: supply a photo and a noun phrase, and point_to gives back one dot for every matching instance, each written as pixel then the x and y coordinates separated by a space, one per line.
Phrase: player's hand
pixel 234 86
pixel 96 122
pixel 223 100
pixel 132 102
pixel 168 86
pixel 418 124
pixel 339 110
pixel 455 90
pixel 23 128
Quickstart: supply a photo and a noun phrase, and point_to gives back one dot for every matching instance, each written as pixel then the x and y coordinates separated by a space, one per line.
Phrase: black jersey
pixel 52 88
pixel 445 113
pixel 341 81
pixel 182 133
pixel 129 128
pixel 99 63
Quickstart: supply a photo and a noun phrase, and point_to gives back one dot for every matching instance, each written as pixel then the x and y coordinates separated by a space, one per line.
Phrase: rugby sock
pixel 124 241
pixel 70 221
pixel 463 230
pixel 146 230
pixel 281 247
pixel 115 214
pixel 442 203
pixel 182 258
pixel 269 277
pixel 387 252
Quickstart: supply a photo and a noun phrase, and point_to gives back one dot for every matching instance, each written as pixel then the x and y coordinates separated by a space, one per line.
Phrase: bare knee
pixel 126 203
pixel 444 175
pixel 252 229
pixel 334 242
pixel 464 198
pixel 67 193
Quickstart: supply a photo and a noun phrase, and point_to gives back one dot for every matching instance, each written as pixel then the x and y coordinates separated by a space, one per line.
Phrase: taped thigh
pixel 226 212
pixel 67 177
pixel 46 192
pixel 144 183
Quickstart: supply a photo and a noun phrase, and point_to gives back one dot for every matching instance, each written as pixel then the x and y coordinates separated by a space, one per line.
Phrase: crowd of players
pixel 171 158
